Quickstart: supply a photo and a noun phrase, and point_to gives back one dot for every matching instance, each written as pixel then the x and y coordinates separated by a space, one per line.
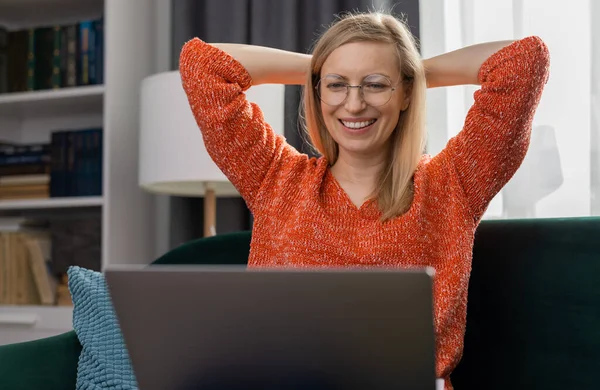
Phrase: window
pixel 560 176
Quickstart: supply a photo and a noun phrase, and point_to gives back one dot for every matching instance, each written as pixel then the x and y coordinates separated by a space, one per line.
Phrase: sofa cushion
pixel 104 362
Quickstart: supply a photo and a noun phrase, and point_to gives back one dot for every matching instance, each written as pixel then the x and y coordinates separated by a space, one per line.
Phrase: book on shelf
pixel 51 57
pixel 76 163
pixel 24 171
pixel 69 165
pixel 3 60
pixel 25 275
pixel 35 255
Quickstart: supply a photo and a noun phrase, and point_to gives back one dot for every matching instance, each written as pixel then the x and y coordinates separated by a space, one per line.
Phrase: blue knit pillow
pixel 104 362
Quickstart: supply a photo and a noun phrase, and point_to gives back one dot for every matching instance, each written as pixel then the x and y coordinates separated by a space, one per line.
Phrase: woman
pixel 372 199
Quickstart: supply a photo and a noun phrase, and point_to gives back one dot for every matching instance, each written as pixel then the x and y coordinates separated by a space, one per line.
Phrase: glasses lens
pixel 375 90
pixel 332 91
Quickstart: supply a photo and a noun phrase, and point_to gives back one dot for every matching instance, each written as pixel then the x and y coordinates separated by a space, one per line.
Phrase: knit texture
pixel 104 362
pixel 304 219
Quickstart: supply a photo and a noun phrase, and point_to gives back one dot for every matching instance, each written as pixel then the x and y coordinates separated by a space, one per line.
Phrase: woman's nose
pixel 354 100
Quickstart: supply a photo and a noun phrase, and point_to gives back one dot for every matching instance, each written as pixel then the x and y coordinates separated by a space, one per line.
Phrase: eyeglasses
pixel 374 90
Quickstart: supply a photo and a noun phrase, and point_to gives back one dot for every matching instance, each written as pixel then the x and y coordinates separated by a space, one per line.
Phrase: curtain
pixel 284 24
pixel 560 176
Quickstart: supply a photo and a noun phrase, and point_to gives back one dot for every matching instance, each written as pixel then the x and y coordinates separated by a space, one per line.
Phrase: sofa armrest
pixel 49 363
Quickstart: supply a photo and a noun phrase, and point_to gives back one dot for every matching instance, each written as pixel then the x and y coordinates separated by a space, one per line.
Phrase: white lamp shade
pixel 173 159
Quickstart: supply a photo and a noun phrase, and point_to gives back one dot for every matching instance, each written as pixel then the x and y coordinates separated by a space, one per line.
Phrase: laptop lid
pixel 203 327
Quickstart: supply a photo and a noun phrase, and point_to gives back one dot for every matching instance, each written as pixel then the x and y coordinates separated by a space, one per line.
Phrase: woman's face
pixel 361 124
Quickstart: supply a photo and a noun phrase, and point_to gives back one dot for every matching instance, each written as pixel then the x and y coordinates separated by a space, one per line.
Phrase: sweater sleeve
pixel 237 137
pixel 494 140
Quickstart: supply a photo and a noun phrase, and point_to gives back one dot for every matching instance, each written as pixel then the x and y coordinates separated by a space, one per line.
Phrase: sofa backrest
pixel 533 317
pixel 223 249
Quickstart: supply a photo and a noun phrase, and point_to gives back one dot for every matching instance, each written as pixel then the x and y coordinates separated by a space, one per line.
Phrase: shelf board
pixel 44 318
pixel 16 14
pixel 6 308
pixel 51 203
pixel 54 102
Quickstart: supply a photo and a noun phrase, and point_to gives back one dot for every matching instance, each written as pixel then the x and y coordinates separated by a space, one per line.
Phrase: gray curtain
pixel 284 24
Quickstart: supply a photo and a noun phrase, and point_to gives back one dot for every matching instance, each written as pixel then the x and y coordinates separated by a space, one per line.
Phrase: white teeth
pixel 358 125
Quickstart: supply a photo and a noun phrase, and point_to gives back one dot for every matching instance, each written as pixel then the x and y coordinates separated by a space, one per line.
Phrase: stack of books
pixel 24 171
pixel 70 165
pixel 25 187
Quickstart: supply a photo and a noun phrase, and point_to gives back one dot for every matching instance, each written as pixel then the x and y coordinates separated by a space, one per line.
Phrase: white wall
pixel 162 38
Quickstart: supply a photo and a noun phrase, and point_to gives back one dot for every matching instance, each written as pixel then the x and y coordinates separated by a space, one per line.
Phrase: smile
pixel 358 125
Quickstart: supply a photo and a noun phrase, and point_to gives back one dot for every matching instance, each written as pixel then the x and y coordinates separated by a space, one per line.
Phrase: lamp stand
pixel 210 211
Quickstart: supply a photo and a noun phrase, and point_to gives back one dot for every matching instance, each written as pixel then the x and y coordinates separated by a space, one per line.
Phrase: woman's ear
pixel 408 86
pixel 406 103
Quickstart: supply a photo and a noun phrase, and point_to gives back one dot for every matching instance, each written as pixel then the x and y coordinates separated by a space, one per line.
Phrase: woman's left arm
pixel 496 133
pixel 460 67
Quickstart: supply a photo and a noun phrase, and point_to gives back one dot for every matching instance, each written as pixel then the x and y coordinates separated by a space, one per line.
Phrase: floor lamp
pixel 172 156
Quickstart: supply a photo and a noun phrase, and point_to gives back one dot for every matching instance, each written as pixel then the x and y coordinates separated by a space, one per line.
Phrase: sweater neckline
pixel 341 193
pixel 369 209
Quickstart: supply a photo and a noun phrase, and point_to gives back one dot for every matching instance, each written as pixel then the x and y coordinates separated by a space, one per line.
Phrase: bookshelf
pixel 126 212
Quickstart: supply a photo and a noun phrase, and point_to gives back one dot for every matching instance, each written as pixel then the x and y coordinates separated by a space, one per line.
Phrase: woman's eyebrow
pixel 338 76
pixel 335 76
pixel 378 75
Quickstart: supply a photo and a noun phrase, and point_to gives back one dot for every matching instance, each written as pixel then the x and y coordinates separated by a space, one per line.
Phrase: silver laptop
pixel 203 327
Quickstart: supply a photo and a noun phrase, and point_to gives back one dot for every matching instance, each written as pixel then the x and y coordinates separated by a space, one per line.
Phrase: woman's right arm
pixel 268 65
pixel 235 134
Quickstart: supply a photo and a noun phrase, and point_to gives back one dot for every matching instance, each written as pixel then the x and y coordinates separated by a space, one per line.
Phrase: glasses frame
pixel 361 93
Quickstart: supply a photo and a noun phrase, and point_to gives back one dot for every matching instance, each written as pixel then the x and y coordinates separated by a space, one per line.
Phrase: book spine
pixel 18 45
pixel 70 163
pixel 87 174
pixel 24 154
pixel 58 169
pixel 22 159
pixel 99 25
pixel 31 59
pixel 3 60
pixel 44 57
pixel 57 58
pixel 92 45
pixel 77 178
pixel 24 169
pixel 84 52
pixel 93 162
pixel 72 44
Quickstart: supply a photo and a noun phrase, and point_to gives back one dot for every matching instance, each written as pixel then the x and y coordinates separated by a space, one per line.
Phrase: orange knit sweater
pixel 303 218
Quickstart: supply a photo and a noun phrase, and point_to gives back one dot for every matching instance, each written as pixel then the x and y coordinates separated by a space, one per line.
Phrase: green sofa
pixel 533 316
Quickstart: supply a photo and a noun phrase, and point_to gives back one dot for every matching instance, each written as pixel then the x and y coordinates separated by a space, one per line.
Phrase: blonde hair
pixel 394 189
